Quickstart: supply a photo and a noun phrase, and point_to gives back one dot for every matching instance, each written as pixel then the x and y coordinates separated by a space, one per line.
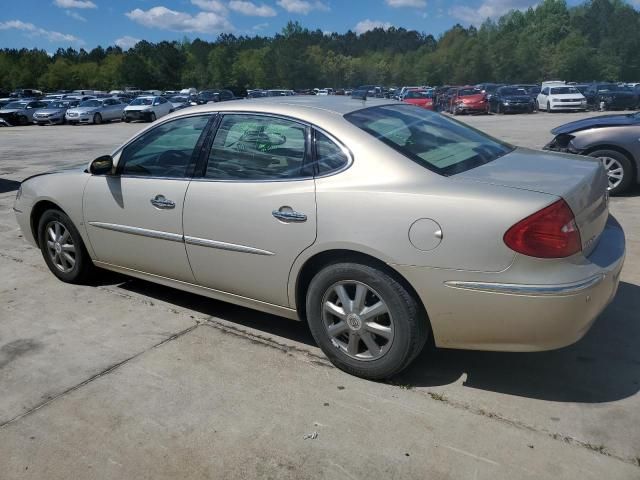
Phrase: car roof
pixel 338 105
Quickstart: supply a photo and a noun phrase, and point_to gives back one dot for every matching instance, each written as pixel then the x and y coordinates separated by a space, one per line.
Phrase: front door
pixel 134 218
pixel 253 211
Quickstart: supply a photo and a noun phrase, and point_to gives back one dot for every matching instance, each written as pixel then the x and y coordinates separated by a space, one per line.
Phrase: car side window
pixel 166 151
pixel 329 156
pixel 256 147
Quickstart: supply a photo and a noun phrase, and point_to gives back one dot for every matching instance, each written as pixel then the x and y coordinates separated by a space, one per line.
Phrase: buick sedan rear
pixel 378 223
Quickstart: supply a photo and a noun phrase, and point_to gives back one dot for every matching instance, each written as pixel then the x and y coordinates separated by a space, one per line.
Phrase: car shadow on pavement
pixel 269 324
pixel 602 367
pixel 8 185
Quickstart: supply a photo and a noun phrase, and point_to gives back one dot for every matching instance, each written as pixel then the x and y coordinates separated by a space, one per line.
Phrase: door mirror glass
pixel 102 165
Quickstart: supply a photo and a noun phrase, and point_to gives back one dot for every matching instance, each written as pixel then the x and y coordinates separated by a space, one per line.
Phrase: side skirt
pixel 204 291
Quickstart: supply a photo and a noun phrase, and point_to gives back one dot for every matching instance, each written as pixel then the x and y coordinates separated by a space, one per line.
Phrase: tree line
pixel 596 40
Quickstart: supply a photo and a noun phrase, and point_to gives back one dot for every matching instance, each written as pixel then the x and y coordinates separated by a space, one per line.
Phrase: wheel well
pixel 323 259
pixel 615 148
pixel 37 211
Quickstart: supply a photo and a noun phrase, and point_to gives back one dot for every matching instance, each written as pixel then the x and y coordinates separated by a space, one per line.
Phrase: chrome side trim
pixel 208 292
pixel 143 232
pixel 202 242
pixel 529 290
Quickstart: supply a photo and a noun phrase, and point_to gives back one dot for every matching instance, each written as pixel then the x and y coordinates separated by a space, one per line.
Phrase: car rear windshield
pixel 513 91
pixel 436 142
pixel 418 94
pixel 91 103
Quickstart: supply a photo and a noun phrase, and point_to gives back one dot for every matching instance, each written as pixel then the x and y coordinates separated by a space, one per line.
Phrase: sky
pixel 50 24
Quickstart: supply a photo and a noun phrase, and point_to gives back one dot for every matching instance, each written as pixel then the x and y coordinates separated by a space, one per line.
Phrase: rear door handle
pixel 286 214
pixel 159 201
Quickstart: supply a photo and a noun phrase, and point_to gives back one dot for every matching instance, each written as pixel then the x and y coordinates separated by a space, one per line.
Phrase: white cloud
pixel 488 9
pixel 165 19
pixel 74 4
pixel 75 15
pixel 34 31
pixel 366 25
pixel 406 3
pixel 259 27
pixel 211 6
pixel 250 8
pixel 126 42
pixel 302 6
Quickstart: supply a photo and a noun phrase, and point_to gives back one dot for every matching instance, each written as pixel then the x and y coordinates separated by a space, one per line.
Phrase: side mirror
pixel 102 165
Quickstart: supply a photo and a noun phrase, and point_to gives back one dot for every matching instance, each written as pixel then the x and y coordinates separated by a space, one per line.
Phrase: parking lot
pixel 127 379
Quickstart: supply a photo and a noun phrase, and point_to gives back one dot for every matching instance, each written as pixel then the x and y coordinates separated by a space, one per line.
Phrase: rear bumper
pixel 136 115
pixel 517 107
pixel 489 312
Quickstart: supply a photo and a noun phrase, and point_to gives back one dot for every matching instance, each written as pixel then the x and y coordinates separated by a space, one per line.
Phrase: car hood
pixel 138 107
pixel 597 122
pixel 516 98
pixel 472 98
pixel 7 111
pixel 580 181
pixel 67 169
pixel 82 109
pixel 51 110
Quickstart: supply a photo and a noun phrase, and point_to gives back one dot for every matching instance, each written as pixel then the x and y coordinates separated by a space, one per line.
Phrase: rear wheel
pixel 22 120
pixel 62 247
pixel 498 108
pixel 365 321
pixel 619 169
pixel 152 117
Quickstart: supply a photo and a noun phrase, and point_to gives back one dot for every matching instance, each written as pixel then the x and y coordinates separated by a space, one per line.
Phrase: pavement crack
pixel 106 371
pixel 600 449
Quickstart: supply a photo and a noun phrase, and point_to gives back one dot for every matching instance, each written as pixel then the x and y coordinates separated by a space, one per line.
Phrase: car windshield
pixel 16 105
pixel 91 103
pixel 142 101
pixel 564 90
pixel 513 91
pixel 418 94
pixel 612 87
pixel 465 92
pixel 58 104
pixel 436 142
pixel 178 99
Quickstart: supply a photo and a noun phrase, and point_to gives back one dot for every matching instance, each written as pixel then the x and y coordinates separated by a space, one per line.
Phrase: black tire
pixel 627 169
pixel 409 320
pixel 498 109
pixel 97 119
pixel 548 107
pixel 22 120
pixel 152 117
pixel 83 267
pixel 536 107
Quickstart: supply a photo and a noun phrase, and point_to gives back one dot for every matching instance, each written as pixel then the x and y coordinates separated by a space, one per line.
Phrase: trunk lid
pixel 580 181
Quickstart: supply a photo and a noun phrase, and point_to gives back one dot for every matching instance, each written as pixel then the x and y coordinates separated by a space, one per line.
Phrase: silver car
pixel 96 110
pixel 378 223
pixel 54 112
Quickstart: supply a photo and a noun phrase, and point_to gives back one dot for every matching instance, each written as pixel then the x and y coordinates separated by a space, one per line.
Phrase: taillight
pixel 550 233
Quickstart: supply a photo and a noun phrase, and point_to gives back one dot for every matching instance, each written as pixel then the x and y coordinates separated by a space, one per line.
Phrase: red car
pixel 468 100
pixel 420 98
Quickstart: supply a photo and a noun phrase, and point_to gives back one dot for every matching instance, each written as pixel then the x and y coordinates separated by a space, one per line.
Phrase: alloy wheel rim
pixel 615 173
pixel 357 320
pixel 60 246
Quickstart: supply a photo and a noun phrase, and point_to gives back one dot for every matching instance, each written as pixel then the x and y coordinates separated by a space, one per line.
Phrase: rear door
pixel 253 211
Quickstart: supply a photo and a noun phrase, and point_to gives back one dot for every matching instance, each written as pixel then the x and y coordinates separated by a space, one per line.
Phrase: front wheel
pixel 62 247
pixel 618 167
pixel 548 107
pixel 152 117
pixel 364 320
pixel 97 119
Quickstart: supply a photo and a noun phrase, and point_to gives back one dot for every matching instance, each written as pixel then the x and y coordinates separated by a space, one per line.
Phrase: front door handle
pixel 288 215
pixel 159 201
